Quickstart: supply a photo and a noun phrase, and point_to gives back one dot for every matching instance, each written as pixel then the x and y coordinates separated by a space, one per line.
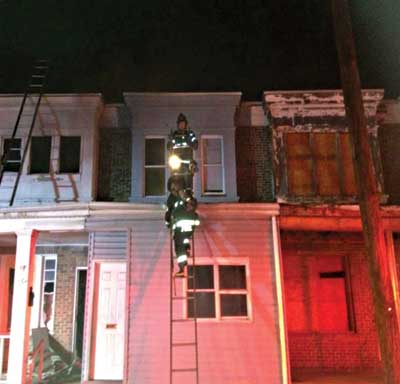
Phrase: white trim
pixel 204 165
pixel 77 269
pixel 165 138
pixel 45 257
pixel 283 336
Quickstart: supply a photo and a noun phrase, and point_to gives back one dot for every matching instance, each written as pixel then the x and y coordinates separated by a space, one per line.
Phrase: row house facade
pixel 85 255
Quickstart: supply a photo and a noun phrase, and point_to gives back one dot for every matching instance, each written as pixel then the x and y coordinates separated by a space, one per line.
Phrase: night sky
pixel 183 45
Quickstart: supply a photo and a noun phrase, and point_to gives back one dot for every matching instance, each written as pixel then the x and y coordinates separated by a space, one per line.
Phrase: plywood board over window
pixel 318 165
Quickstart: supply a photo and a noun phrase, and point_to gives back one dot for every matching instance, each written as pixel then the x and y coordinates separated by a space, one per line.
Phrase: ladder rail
pixel 193 320
pixel 28 140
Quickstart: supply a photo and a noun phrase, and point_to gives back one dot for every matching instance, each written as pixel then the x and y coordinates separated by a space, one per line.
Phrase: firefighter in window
pixel 182 142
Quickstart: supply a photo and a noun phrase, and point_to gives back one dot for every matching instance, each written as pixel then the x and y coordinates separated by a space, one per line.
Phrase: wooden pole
pixel 380 273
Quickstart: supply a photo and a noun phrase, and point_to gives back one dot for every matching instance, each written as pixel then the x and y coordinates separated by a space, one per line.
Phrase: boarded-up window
pixel 319 164
pixel 40 154
pixel 154 167
pixel 212 165
pixel 221 291
pixel 318 294
pixel 70 154
pixel 12 149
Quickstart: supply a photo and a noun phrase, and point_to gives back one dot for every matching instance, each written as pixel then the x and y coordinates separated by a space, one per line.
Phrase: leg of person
pixel 180 251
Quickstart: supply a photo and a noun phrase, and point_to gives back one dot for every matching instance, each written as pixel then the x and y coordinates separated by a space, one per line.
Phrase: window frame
pixel 58 139
pixel 3 142
pixel 165 166
pixel 30 156
pixel 45 257
pixel 204 165
pixel 215 263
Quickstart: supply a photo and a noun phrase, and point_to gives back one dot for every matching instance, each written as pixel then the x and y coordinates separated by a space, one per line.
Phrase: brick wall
pixel 68 258
pixel 115 155
pixel 254 163
pixel 330 351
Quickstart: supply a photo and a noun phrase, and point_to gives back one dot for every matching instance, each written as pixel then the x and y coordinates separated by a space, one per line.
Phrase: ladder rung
pixel 183 298
pixel 41 67
pixel 183 344
pixel 36 85
pixel 182 320
pixel 184 370
pixel 38 76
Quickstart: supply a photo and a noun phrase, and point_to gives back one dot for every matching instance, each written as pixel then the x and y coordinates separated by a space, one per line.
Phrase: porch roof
pixel 66 217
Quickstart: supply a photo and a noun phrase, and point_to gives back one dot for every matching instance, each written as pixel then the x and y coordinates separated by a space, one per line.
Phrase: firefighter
pixel 181 144
pixel 184 220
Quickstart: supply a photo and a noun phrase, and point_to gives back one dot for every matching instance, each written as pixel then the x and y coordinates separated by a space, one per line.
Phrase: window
pixel 40 154
pixel 70 154
pixel 318 294
pixel 13 147
pixel 154 167
pixel 48 291
pixel 212 165
pixel 319 164
pixel 221 291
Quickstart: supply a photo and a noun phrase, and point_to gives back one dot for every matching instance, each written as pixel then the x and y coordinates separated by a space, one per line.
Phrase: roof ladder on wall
pixel 12 153
pixel 183 329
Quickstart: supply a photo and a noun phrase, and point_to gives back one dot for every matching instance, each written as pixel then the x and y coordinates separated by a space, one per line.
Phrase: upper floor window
pixel 319 164
pixel 154 166
pixel 13 148
pixel 70 154
pixel 40 154
pixel 221 291
pixel 212 167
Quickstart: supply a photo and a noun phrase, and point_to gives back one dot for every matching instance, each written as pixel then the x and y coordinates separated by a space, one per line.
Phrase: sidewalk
pixel 340 378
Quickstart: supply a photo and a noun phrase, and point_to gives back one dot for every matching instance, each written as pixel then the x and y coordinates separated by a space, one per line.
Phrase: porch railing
pixel 4 346
pixel 37 352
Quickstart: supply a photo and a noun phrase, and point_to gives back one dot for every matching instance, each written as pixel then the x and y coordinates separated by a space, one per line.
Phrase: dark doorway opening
pixel 80 310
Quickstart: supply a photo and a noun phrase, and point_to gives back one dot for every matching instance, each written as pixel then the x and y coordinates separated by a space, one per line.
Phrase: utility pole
pixel 385 298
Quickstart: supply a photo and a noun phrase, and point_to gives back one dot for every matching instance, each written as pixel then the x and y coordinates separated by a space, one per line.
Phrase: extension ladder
pixel 189 346
pixel 35 88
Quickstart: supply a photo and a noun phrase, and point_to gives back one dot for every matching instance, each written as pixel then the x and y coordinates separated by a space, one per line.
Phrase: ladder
pixel 12 153
pixel 189 346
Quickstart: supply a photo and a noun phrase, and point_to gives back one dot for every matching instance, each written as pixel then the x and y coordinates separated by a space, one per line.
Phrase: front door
pixel 109 349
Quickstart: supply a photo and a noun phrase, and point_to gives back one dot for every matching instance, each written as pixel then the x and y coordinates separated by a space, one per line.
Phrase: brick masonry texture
pixel 114 164
pixel 68 259
pixel 254 164
pixel 330 351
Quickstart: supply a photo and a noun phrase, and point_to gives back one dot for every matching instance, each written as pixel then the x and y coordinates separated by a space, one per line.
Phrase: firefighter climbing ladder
pixel 190 346
pixel 35 88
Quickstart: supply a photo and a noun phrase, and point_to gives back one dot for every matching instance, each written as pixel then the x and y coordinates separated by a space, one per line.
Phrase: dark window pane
pixel 205 305
pixel 13 147
pixel 40 154
pixel 50 264
pixel 232 277
pixel 70 154
pixel 204 277
pixel 155 152
pixel 233 305
pixel 49 287
pixel 154 181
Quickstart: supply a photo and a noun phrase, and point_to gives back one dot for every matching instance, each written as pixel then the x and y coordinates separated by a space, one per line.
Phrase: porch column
pixel 20 316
